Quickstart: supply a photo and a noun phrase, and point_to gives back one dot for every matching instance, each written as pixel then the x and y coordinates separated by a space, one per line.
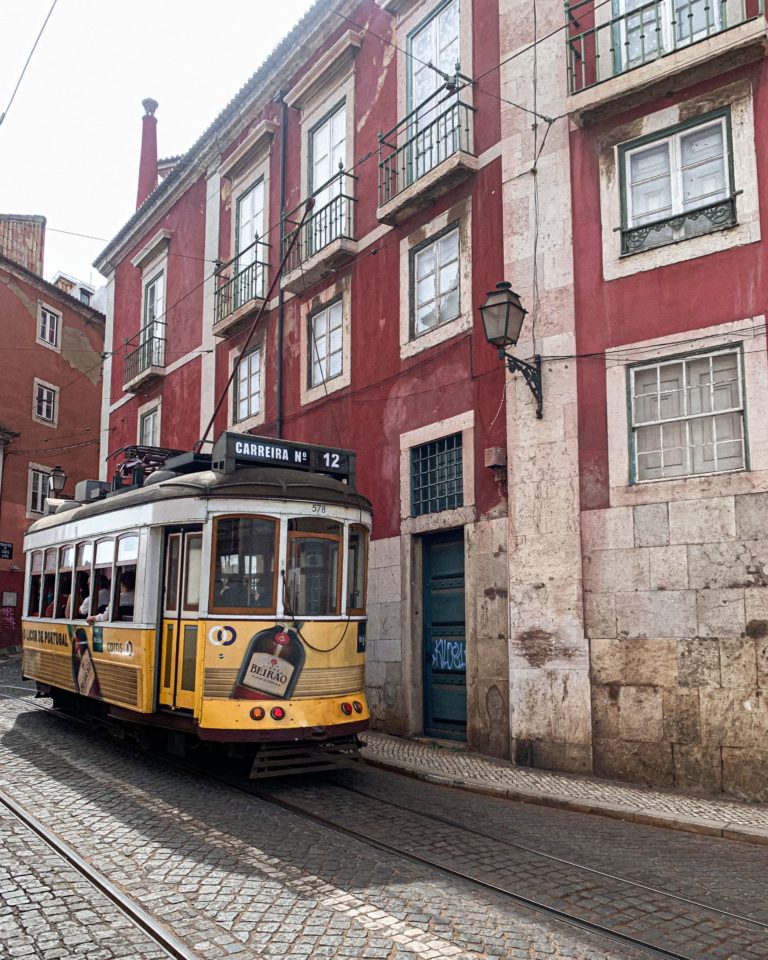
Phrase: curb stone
pixel 641 814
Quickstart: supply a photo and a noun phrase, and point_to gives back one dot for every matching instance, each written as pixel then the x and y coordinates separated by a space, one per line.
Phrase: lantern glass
pixel 503 316
pixel 56 480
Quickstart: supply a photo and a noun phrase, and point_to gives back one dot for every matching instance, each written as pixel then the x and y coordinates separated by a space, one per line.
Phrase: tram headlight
pixel 277 713
pixel 257 713
pixel 346 709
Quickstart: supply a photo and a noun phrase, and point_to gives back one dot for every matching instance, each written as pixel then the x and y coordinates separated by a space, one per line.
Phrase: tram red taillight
pixel 257 713
pixel 277 713
pixel 358 706
pixel 346 708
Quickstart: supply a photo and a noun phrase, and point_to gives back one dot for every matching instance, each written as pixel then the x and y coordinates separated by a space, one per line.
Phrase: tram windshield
pixel 314 559
pixel 244 564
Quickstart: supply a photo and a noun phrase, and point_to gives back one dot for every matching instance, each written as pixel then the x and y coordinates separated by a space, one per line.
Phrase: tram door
pixel 181 612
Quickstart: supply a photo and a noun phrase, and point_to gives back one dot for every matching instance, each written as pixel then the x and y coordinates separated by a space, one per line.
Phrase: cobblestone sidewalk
pixel 661 808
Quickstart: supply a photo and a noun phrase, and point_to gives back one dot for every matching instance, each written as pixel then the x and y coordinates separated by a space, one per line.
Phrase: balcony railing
pixel 429 135
pixel 240 280
pixel 330 220
pixel 148 354
pixel 642 32
pixel 690 223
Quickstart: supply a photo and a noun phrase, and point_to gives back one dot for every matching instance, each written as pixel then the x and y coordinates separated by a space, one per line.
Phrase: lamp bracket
pixel 532 374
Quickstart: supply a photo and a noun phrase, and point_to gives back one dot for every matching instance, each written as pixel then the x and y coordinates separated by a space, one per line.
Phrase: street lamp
pixel 503 316
pixel 56 480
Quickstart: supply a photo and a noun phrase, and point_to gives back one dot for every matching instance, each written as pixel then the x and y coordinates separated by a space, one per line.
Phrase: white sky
pixel 69 146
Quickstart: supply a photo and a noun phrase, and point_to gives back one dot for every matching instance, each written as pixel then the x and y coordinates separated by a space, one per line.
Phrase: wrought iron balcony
pixel 715 216
pixel 597 51
pixel 326 239
pixel 241 282
pixel 147 360
pixel 422 147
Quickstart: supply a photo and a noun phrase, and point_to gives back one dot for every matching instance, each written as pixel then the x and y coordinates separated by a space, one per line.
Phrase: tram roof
pixel 265 483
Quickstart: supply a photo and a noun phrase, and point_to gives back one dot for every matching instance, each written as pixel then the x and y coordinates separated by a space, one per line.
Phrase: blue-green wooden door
pixel 445 641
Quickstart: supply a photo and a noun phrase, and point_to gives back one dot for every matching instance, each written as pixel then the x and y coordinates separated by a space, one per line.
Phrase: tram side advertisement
pixel 45 648
pixel 270 664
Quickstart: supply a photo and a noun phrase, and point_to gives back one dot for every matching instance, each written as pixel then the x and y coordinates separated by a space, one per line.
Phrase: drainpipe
pixel 280 98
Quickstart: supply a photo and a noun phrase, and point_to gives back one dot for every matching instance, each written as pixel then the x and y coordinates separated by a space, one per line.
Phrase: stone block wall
pixel 487 590
pixel 676 611
pixel 383 668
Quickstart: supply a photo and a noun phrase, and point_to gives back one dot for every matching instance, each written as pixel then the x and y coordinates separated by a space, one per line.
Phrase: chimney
pixel 148 158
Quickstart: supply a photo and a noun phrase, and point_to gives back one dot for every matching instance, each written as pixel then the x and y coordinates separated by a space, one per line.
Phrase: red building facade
pixel 668 167
pixel 368 337
pixel 50 394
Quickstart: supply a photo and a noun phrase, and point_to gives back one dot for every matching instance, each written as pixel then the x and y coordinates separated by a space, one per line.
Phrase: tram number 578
pixel 318 508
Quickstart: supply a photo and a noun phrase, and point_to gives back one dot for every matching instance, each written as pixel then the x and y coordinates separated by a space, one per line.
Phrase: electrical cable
pixel 4 114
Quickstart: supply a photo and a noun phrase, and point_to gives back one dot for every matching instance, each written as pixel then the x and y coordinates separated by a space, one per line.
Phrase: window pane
pixel 244 567
pixel 67 558
pixel 313 571
pixel 725 377
pixel 105 551
pixel 128 549
pixel 358 542
pixel 671 402
pixel 192 571
pixel 650 184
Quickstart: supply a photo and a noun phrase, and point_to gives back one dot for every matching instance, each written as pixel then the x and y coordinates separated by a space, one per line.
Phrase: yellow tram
pixel 220 598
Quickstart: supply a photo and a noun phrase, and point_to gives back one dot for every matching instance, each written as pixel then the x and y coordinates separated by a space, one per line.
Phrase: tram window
pixel 244 564
pixel 35 584
pixel 64 588
pixel 313 567
pixel 125 576
pixel 81 606
pixel 49 582
pixel 356 568
pixel 192 571
pixel 172 572
pixel 101 584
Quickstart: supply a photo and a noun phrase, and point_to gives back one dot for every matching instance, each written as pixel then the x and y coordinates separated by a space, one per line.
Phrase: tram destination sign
pixel 233 450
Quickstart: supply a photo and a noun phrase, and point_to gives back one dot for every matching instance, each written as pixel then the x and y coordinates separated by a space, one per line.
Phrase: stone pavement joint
pixel 456 767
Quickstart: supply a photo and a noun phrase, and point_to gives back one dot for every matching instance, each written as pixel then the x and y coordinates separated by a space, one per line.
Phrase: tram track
pixel 159 935
pixel 648 947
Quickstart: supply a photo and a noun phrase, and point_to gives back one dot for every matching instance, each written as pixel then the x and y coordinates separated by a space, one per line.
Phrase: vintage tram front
pixel 223 599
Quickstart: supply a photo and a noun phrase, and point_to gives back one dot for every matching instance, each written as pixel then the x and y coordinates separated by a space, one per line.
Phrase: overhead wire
pixel 4 114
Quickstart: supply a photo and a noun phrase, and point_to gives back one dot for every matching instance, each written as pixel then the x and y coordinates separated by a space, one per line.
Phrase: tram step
pixel 280 760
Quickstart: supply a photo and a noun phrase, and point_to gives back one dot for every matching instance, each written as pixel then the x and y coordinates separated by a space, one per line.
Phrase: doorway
pixel 445 641
pixel 181 612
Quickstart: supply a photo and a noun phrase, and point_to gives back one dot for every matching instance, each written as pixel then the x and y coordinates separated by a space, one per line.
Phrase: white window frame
pixel 312 342
pixel 342 289
pixel 409 22
pixel 751 332
pixel 324 231
pixel 434 244
pixel 253 253
pixel 245 374
pixel 53 390
pixel 674 140
pixel 144 411
pixel 738 96
pixel 686 419
pixel 255 420
pixel 43 309
pixel 461 213
pixel 37 469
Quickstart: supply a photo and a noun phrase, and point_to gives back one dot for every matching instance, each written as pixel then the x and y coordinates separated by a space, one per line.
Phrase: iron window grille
pixel 687 416
pixel 678 184
pixel 437 479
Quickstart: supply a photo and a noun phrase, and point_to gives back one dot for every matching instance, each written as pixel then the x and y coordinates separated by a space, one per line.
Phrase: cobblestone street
pixel 231 874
